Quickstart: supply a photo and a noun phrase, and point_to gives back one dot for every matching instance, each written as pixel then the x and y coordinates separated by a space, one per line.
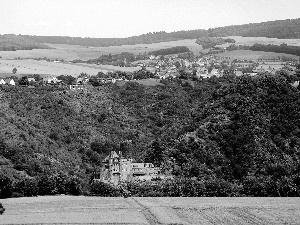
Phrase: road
pixel 99 210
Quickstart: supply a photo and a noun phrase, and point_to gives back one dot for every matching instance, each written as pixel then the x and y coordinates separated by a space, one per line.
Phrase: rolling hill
pixel 289 28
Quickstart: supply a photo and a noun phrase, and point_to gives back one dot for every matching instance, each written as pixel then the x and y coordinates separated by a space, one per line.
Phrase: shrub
pixel 2 209
pixel 26 187
pixel 54 136
pixel 5 187
pixel 46 185
pixel 104 190
pixel 74 186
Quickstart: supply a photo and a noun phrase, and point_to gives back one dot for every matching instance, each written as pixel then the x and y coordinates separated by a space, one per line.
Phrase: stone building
pixel 117 168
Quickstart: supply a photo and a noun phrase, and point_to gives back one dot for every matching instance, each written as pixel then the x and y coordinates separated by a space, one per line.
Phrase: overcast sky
pixel 124 18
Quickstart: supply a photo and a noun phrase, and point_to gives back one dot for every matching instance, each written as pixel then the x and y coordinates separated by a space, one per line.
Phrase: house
pixel 215 72
pixel 238 73
pixel 151 57
pixel 76 87
pixel 295 84
pixel 31 79
pixel 172 74
pixel 82 80
pixel 161 74
pixel 202 73
pixel 51 80
pixel 2 81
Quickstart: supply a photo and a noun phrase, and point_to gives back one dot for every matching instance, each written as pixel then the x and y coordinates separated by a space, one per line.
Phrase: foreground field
pixel 98 210
pixel 42 67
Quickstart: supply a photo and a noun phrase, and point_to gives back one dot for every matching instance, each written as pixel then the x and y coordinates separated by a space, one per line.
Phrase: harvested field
pixel 253 55
pixel 30 66
pixel 71 52
pixel 264 40
pixel 99 210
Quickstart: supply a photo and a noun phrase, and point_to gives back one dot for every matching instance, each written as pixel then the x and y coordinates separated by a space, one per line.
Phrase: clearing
pixel 99 210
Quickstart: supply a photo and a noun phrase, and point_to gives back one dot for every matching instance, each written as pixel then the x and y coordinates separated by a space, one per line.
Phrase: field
pixel 71 52
pixel 263 40
pixel 42 67
pixel 253 55
pixel 79 210
pixel 24 61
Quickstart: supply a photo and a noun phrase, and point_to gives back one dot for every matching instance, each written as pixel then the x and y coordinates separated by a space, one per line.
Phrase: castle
pixel 116 169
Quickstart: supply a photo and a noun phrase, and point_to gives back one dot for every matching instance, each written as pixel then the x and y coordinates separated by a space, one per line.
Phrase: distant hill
pixel 289 28
pixel 148 38
pixel 11 42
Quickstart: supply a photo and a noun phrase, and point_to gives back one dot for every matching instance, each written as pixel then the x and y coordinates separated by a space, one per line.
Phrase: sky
pixel 125 18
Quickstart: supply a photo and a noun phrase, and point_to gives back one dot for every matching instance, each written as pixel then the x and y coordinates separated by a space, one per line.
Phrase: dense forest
pixel 289 28
pixel 228 136
pixel 121 59
pixel 169 51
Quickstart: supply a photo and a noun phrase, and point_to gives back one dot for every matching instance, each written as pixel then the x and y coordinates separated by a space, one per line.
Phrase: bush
pixel 46 185
pixel 74 186
pixel 2 209
pixel 26 187
pixel 5 187
pixel 54 136
pixel 104 190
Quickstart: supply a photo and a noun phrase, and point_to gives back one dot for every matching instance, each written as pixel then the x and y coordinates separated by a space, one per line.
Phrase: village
pixel 184 66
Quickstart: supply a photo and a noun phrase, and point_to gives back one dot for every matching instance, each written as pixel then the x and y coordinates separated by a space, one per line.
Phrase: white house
pixel 50 80
pixel 31 79
pixel 215 72
pixel 2 81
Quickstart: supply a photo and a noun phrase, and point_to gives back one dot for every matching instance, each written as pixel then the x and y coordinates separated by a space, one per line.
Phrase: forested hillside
pixel 289 28
pixel 230 136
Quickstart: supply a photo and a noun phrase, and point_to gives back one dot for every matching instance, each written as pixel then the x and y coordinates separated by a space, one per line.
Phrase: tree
pixel 177 64
pixel 24 81
pixel 2 209
pixel 155 153
pixel 14 70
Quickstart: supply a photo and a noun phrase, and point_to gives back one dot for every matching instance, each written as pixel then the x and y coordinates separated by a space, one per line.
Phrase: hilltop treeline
pixel 169 51
pixel 229 136
pixel 10 42
pixel 289 28
pixel 273 29
pixel 149 38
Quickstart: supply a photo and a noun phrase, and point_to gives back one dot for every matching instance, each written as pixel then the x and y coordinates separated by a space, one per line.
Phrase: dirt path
pixel 150 211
